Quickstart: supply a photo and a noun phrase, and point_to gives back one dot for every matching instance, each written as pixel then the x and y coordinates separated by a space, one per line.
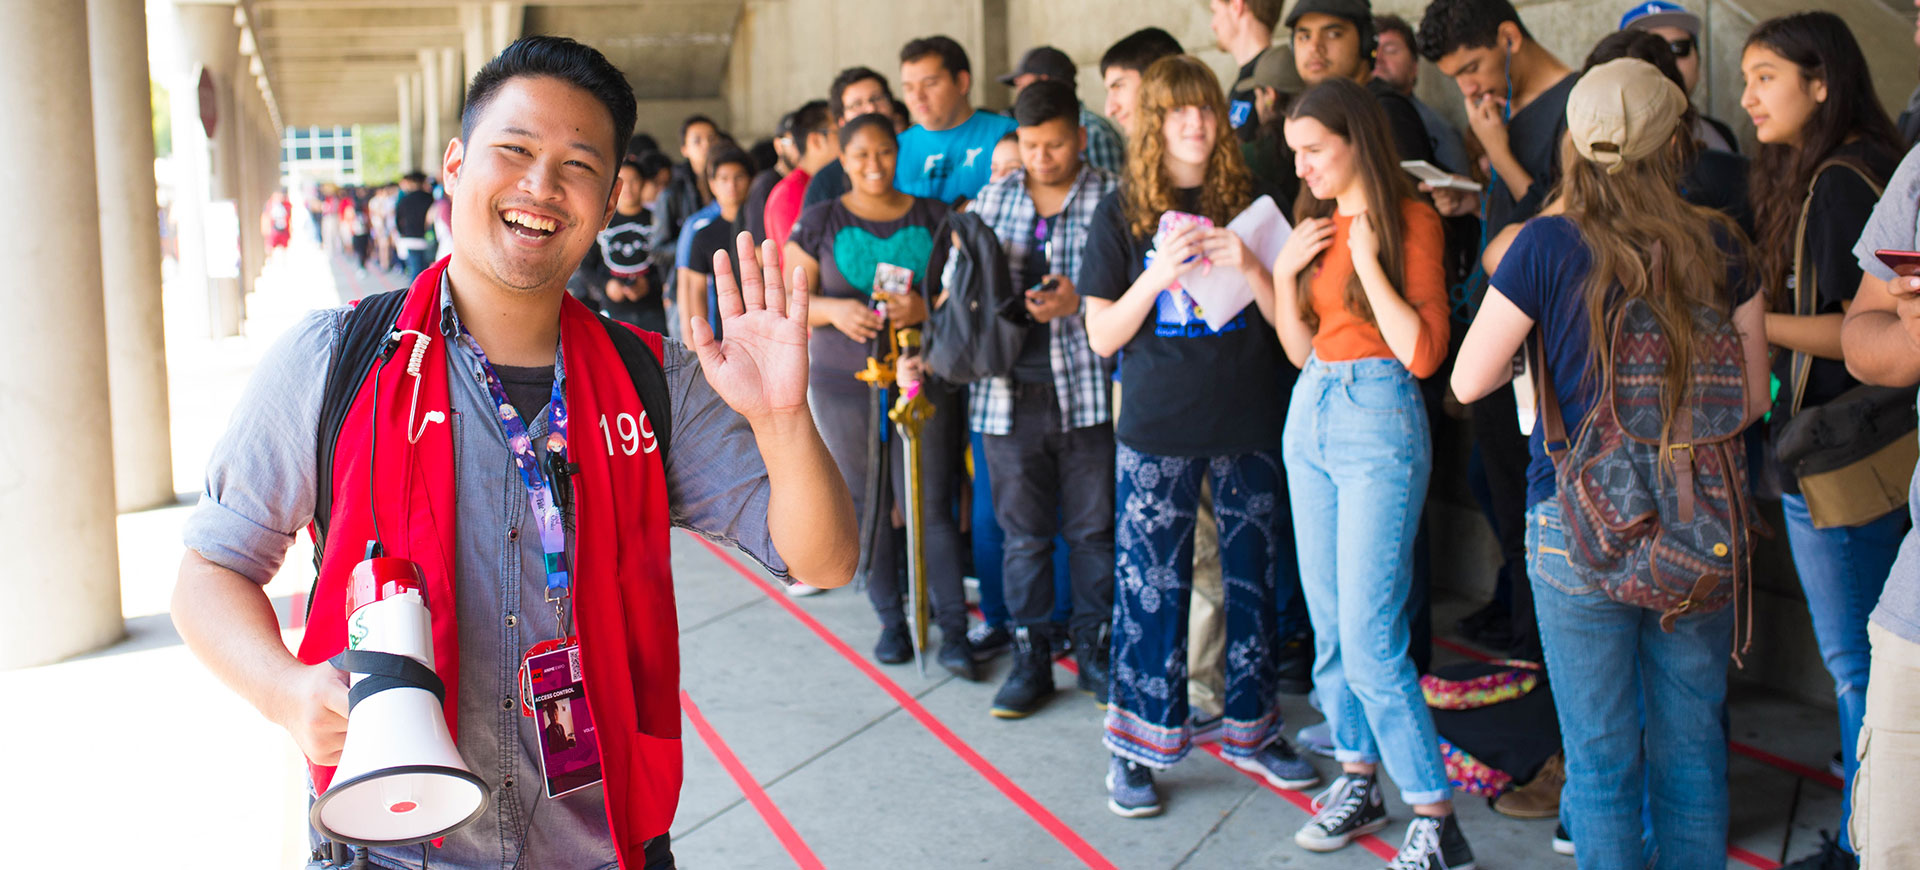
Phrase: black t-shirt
pixel 1034 365
pixel 831 182
pixel 1403 120
pixel 1534 136
pixel 1840 205
pixel 1240 111
pixel 753 215
pixel 1718 180
pixel 1189 391
pixel 410 213
pixel 623 250
pixel 529 388
pixel 717 235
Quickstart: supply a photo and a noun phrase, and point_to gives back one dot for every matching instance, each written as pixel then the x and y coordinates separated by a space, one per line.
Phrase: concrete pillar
pixel 473 25
pixel 430 110
pixel 130 263
pixel 57 524
pixel 247 177
pixel 209 41
pixel 451 89
pixel 409 157
pixel 507 19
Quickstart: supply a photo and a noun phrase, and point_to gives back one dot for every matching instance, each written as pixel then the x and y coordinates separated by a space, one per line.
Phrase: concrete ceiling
pixel 335 61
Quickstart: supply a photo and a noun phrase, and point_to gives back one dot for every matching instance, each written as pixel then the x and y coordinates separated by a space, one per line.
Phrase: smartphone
pixel 1906 264
pixel 1437 177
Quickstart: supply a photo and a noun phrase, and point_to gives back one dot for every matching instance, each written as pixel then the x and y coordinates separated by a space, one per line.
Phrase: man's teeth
pixel 530 221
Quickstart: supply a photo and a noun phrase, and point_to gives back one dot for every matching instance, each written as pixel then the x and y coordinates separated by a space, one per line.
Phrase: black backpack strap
pixel 355 349
pixel 649 378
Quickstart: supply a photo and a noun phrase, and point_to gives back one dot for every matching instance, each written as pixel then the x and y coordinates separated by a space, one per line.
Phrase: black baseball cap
pixel 1045 61
pixel 1357 11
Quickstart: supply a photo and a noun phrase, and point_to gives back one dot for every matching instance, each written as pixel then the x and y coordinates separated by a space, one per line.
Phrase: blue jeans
pixel 1358 458
pixel 1613 669
pixel 1154 505
pixel 1842 571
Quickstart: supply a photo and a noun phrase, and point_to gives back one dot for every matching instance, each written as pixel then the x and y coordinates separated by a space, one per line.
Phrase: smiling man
pixel 444 409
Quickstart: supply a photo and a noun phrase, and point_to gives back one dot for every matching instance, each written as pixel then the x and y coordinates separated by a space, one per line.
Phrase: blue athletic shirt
pixel 952 163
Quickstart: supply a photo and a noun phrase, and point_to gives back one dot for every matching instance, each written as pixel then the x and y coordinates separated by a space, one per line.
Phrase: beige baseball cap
pixel 1623 111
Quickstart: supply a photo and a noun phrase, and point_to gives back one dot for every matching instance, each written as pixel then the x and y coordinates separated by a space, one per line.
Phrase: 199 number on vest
pixel 632 433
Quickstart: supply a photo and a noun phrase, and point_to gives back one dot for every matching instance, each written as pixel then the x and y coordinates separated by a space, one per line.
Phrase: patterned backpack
pixel 1664 526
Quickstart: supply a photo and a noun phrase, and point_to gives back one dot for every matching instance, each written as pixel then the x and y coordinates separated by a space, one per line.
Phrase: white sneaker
pixel 802 590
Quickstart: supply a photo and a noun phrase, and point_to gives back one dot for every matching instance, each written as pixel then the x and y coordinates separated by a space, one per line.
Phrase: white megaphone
pixel 400 779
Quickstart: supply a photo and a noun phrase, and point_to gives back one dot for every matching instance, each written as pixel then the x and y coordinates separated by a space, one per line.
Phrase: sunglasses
pixel 1682 47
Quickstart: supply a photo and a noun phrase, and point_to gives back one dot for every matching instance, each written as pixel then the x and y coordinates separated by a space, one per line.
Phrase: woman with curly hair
pixel 1203 405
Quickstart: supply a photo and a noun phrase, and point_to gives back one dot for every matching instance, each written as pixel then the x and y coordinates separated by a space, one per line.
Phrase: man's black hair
pixel 1044 101
pixel 725 153
pixel 689 123
pixel 651 164
pixel 764 154
pixel 783 127
pixel 951 55
pixel 814 117
pixel 874 120
pixel 1451 25
pixel 561 58
pixel 1138 50
pixel 641 143
pixel 847 78
pixel 1383 24
pixel 416 176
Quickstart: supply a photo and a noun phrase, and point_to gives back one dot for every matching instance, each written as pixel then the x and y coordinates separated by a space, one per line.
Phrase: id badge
pixel 569 746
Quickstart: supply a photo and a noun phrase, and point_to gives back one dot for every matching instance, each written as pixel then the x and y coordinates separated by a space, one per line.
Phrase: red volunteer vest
pixel 622 583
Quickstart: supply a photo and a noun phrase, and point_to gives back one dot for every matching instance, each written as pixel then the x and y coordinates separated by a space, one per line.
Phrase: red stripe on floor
pixel 1074 843
pixel 1750 859
pixel 1823 777
pixel 757 796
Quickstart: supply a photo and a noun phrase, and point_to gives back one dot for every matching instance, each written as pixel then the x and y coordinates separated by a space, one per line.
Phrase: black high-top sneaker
pixel 1352 806
pixel 1434 844
pixel 1091 651
pixel 1030 681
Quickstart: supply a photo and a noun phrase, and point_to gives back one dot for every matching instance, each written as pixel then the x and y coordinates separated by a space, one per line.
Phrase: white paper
pixel 1221 294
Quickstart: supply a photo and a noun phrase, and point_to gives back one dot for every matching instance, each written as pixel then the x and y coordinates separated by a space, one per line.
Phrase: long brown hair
pixel 1621 216
pixel 1349 112
pixel 1822 46
pixel 1171 83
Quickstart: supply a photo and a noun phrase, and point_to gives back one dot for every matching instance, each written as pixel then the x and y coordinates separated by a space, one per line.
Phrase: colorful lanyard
pixel 546 510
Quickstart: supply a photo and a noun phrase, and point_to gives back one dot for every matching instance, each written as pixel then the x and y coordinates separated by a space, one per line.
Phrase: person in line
pixel 1046 425
pixel 1244 30
pixel 786 155
pixel 1334 39
pixel 854 92
pixel 1006 157
pixel 1681 30
pixel 1880 338
pixel 1274 84
pixel 1826 150
pixel 1360 305
pixel 840 246
pixel 1106 148
pixel 410 219
pixel 1644 724
pixel 1396 62
pixel 818 148
pixel 617 276
pixel 684 207
pixel 947 153
pixel 745 464
pixel 1122 66
pixel 730 177
pixel 1202 404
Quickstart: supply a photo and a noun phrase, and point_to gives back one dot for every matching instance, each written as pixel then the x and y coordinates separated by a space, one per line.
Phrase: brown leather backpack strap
pixel 1806 283
pixel 1554 436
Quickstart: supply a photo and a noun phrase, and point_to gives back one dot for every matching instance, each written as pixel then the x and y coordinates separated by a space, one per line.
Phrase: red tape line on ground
pixel 1823 777
pixel 1380 848
pixel 1080 848
pixel 757 796
pixel 1750 859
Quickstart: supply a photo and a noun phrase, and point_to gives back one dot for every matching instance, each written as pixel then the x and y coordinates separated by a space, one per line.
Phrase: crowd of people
pixel 1206 508
pixel 1224 322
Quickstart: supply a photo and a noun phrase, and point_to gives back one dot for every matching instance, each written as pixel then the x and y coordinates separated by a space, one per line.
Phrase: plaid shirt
pixel 1081 379
pixel 1106 148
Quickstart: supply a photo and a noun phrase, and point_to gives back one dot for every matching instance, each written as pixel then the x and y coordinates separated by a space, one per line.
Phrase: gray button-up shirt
pixel 260 491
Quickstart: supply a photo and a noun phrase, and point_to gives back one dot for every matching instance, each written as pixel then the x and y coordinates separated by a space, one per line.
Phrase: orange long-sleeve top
pixel 1343 336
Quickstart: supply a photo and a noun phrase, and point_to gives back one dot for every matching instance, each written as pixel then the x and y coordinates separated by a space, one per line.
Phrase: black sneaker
pixel 1352 806
pixel 956 656
pixel 1091 651
pixel 1830 857
pixel 1296 665
pixel 895 646
pixel 1562 841
pixel 1130 790
pixel 1434 844
pixel 1030 682
pixel 988 641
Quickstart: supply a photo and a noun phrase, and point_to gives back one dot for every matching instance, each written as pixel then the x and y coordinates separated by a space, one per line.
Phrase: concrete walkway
pixel 799 750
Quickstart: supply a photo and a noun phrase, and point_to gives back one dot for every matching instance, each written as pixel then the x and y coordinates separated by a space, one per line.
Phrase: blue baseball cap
pixel 1660 13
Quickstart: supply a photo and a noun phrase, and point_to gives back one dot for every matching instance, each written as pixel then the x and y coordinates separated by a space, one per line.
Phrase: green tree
pixel 162 118
pixel 379 153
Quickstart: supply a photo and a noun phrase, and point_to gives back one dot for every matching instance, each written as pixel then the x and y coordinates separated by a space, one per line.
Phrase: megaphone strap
pixel 386 671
